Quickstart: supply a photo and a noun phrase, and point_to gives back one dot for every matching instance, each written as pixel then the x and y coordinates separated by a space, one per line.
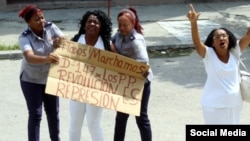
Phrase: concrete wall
pixel 159 2
pixel 144 2
pixel 5 5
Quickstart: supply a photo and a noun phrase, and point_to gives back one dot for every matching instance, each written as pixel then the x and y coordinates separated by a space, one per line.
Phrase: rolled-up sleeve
pixel 24 43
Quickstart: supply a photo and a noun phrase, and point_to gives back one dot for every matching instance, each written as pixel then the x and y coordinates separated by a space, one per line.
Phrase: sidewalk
pixel 165 26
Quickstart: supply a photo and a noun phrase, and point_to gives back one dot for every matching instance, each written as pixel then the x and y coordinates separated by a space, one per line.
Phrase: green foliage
pixel 9 47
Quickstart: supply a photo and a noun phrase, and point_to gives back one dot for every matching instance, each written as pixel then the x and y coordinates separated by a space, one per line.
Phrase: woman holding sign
pixel 36 43
pixel 95 30
pixel 129 41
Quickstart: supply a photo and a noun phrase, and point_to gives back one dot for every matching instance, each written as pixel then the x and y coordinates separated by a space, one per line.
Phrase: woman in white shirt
pixel 95 30
pixel 221 99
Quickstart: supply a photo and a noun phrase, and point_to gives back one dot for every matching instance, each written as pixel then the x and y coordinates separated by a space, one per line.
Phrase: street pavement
pixel 178 80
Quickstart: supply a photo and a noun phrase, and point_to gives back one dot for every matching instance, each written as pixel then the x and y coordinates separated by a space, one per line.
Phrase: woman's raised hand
pixel 192 15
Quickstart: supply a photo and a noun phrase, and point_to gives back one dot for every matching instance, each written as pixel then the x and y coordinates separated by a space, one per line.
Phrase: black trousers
pixel 142 121
pixel 35 98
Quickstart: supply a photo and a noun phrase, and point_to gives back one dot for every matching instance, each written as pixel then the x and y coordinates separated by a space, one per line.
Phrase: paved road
pixel 177 84
pixel 174 102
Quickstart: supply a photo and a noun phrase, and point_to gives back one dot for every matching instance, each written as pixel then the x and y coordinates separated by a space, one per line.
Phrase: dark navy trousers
pixel 142 121
pixel 35 99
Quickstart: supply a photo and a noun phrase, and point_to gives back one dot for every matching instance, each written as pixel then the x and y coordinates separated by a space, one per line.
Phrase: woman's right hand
pixel 192 15
pixel 52 58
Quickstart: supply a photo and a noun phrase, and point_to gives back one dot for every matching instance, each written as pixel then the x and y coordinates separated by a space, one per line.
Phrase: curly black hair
pixel 231 37
pixel 105 30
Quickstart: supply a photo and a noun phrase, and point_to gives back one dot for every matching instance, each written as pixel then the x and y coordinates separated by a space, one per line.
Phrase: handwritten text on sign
pixel 84 76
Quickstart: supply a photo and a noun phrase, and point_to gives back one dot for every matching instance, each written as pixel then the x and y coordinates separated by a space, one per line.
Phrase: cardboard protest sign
pixel 102 78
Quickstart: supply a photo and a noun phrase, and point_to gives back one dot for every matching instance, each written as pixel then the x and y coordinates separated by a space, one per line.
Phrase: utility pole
pixel 109 8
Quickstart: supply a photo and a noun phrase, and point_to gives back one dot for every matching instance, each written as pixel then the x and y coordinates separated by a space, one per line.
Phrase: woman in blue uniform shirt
pixel 36 44
pixel 129 42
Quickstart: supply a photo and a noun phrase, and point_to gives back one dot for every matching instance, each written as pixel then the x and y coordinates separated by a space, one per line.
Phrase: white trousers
pixel 222 115
pixel 93 115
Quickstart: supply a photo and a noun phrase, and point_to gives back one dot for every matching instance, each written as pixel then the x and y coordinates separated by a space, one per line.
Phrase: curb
pixel 11 54
pixel 17 54
pixel 57 5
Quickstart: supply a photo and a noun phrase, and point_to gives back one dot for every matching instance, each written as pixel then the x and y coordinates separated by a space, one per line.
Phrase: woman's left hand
pixel 112 47
pixel 57 42
pixel 145 74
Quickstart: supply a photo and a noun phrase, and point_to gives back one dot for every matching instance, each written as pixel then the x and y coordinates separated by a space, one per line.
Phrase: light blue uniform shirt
pixel 37 73
pixel 133 46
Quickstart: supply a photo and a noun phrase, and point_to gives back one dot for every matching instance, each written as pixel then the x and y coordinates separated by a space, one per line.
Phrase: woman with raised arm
pixel 221 99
